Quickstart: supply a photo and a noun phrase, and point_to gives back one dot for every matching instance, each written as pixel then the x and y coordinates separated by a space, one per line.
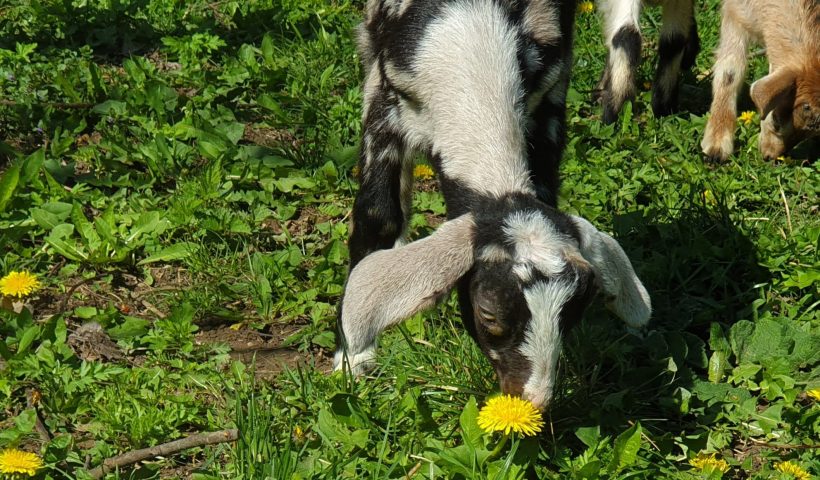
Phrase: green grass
pixel 175 168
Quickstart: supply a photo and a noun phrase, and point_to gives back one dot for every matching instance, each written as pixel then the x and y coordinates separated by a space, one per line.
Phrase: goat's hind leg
pixel 623 41
pixel 679 45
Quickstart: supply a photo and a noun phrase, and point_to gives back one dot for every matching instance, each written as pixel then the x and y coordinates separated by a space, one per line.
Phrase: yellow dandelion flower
pixel 423 172
pixel 814 393
pixel 747 117
pixel 19 284
pixel 793 469
pixel 17 461
pixel 299 435
pixel 506 413
pixel 709 462
pixel 709 197
pixel 586 7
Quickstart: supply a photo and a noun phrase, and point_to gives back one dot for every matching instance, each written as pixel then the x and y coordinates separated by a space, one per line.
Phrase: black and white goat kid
pixel 479 86
pixel 677 49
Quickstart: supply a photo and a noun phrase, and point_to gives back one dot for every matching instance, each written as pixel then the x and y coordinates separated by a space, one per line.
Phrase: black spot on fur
pixel 728 78
pixel 628 39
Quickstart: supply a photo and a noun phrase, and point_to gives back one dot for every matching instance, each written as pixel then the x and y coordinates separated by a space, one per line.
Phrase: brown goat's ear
pixel 774 91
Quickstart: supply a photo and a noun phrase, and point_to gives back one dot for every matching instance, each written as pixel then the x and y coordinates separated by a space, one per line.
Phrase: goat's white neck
pixel 476 106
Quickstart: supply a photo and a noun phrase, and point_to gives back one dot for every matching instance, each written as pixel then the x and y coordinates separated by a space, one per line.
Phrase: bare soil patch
pixel 265 351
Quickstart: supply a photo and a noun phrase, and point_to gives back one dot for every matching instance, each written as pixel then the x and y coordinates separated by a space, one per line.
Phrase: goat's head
pixel 525 271
pixel 792 97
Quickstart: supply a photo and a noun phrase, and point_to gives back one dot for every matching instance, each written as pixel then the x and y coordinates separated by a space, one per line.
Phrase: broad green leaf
pixel 468 420
pixel 460 459
pixel 111 107
pixel 85 312
pixel 626 448
pixel 347 409
pixel 60 239
pixel 173 252
pixel 717 365
pixel 739 335
pixel 590 471
pixel 8 183
pixel 51 214
pixel 326 339
pixel 148 223
pixel 85 229
pixel 332 432
pixel 131 328
pixel 31 166
pixel 589 435
pixel 266 101
pixel 267 49
pixel 770 418
pixel 27 338
pixel 336 252
pixel 25 421
pixel 287 185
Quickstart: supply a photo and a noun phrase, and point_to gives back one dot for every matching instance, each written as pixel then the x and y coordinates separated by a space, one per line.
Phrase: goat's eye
pixel 486 315
pixel 806 107
pixel 490 322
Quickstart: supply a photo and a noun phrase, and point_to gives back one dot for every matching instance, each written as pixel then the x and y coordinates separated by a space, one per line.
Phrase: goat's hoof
pixel 358 364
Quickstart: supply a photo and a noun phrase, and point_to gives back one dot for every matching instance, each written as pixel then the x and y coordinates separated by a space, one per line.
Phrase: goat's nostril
pixel 539 400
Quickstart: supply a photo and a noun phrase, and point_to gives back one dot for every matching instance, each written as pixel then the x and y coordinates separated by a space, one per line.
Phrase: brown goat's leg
pixel 728 75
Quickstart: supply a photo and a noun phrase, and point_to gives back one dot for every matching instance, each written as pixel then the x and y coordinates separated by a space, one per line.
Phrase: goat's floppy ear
pixel 389 286
pixel 625 294
pixel 775 90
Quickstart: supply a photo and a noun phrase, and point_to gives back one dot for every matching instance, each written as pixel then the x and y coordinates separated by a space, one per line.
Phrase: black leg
pixel 380 209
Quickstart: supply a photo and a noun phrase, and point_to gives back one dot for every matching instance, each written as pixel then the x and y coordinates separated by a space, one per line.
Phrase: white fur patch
pixel 542 340
pixel 536 242
pixel 397 8
pixel 494 253
pixel 541 21
pixel 617 14
pixel 372 83
pixel 620 74
pixel 469 82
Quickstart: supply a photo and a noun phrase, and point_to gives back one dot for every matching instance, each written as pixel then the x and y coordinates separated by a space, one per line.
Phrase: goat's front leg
pixel 623 40
pixel 679 45
pixel 728 74
pixel 382 206
pixel 380 211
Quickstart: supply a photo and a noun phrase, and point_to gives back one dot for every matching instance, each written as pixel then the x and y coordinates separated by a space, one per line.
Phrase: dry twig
pixel 165 449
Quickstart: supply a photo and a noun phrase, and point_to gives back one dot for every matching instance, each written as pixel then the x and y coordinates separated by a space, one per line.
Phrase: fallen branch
pixel 165 449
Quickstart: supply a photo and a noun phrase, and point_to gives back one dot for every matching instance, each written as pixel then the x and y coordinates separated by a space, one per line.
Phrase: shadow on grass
pixel 700 269
pixel 136 27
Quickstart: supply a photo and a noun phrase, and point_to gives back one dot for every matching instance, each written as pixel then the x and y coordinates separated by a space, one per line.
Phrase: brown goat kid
pixel 788 98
